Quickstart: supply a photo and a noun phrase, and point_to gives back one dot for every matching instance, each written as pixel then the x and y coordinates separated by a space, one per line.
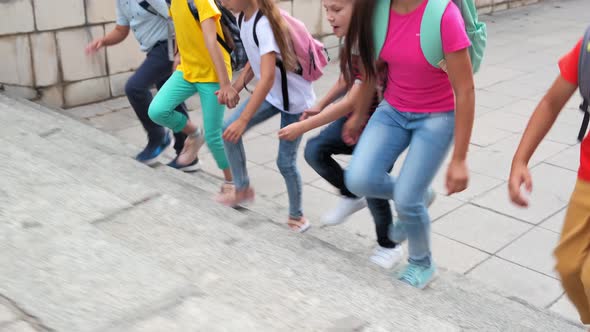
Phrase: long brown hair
pixel 280 29
pixel 360 38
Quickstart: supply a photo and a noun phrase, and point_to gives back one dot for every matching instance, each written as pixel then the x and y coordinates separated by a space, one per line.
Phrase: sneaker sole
pixel 434 276
pixel 199 144
pixel 156 159
pixel 150 162
pixel 383 266
pixel 420 287
pixel 191 168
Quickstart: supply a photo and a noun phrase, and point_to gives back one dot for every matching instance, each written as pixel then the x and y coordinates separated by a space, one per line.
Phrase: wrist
pixel 237 89
pixel 242 121
pixel 459 159
pixel 519 162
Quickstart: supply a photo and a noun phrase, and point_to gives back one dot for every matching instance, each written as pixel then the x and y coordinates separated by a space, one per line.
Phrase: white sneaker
pixel 386 257
pixel 345 208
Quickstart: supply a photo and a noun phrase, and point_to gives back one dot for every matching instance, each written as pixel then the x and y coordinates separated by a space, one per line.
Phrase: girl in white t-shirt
pixel 269 43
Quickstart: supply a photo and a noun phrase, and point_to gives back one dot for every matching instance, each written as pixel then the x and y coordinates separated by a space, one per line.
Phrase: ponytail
pixel 280 30
pixel 360 38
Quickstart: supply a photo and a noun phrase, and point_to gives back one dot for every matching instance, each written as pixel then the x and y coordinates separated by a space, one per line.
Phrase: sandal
pixel 299 226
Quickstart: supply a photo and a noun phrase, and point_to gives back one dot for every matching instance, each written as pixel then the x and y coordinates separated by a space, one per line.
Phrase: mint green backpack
pixel 430 34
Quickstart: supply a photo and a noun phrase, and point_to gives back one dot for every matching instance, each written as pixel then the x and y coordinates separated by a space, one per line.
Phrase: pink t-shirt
pixel 414 85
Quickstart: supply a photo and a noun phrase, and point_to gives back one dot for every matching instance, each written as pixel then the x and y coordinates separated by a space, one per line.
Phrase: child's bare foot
pixel 234 198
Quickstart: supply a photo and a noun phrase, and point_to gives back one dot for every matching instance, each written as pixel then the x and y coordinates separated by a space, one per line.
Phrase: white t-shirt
pixel 301 95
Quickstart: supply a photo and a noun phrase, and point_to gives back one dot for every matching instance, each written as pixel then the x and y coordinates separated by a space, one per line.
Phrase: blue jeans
pixel 286 159
pixel 155 70
pixel 318 154
pixel 388 133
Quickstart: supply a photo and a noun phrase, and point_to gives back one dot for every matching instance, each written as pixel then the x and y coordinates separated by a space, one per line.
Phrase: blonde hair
pixel 280 30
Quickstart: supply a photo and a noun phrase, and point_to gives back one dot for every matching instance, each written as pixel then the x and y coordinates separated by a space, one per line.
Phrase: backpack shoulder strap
pixel 430 31
pixel 153 9
pixel 195 12
pixel 584 82
pixel 584 66
pixel 240 20
pixel 193 9
pixel 226 14
pixel 380 24
pixel 256 20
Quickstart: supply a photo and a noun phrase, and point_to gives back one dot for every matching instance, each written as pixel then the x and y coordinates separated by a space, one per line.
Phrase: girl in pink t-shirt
pixel 424 108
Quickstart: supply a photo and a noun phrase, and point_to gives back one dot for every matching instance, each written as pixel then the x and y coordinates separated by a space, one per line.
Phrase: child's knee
pixel 287 165
pixel 157 113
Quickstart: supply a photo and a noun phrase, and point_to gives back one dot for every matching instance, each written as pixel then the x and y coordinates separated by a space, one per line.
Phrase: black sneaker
pixel 192 167
pixel 150 154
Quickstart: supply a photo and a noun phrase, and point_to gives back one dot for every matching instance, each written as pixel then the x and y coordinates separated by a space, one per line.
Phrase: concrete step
pixel 220 263
pixel 282 281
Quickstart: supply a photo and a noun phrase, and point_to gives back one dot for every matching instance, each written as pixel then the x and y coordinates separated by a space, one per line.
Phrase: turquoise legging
pixel 175 91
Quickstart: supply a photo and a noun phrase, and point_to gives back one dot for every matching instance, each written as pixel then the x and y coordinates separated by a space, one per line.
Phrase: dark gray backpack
pixel 232 43
pixel 584 83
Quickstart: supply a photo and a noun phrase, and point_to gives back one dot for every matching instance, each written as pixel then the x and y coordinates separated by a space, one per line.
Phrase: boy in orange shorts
pixel 572 252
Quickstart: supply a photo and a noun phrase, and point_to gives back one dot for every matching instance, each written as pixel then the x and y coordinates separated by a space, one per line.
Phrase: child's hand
pixel 315 110
pixel 228 96
pixel 291 132
pixel 351 131
pixel 457 177
pixel 94 46
pixel 519 175
pixel 234 132
pixel 220 97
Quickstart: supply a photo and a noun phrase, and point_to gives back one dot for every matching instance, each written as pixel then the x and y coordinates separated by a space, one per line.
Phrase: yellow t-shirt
pixel 195 61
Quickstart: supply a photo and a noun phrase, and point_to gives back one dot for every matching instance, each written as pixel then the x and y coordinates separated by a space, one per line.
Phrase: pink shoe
pixel 227 188
pixel 299 225
pixel 192 145
pixel 232 198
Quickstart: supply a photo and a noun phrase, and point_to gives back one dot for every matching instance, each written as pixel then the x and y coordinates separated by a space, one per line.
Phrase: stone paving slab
pixel 536 288
pixel 473 226
pixel 81 271
pixel 7 315
pixel 18 327
pixel 565 308
pixel 551 192
pixel 530 251
pixel 555 222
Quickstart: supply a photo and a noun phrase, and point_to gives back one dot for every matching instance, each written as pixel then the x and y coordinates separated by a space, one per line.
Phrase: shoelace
pixel 411 274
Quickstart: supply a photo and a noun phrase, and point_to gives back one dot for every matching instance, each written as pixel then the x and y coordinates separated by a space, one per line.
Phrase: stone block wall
pixel 42 45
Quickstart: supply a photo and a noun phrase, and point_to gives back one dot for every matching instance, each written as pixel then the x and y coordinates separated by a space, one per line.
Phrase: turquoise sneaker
pixel 417 276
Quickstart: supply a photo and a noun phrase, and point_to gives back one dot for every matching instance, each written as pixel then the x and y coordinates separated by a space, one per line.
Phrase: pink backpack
pixel 311 55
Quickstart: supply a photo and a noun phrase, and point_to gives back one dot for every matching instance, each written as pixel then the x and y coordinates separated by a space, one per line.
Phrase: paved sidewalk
pixel 477 233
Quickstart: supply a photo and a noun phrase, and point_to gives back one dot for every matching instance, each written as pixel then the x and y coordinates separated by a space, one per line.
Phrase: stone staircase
pixel 91 240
